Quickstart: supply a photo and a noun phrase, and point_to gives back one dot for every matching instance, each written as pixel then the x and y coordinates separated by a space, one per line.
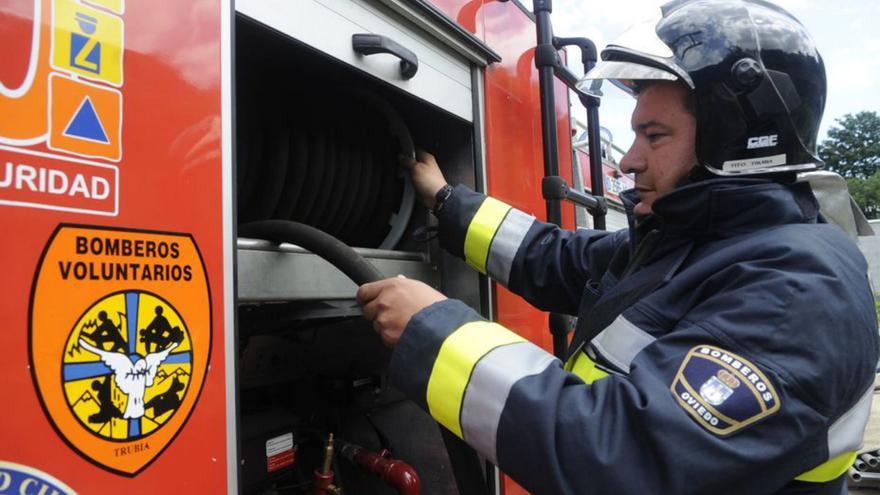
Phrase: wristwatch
pixel 440 199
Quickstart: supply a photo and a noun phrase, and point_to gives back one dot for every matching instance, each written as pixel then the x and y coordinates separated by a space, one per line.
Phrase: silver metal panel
pixel 230 337
pixel 487 287
pixel 289 273
pixel 263 245
pixel 443 78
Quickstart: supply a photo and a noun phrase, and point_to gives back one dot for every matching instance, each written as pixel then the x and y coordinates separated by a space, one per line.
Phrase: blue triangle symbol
pixel 85 124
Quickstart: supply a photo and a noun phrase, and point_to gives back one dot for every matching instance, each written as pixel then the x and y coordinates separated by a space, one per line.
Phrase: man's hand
pixel 391 303
pixel 426 176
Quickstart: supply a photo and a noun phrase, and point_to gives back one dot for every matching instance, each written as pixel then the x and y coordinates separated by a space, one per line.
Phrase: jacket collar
pixel 724 207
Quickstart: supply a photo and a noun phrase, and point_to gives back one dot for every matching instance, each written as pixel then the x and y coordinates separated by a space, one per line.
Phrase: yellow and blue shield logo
pixel 120 340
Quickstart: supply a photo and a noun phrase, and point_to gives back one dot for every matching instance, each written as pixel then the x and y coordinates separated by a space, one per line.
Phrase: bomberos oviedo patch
pixel 120 340
pixel 723 391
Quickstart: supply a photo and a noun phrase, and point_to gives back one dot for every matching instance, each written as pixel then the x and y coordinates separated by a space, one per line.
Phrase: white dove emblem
pixel 132 378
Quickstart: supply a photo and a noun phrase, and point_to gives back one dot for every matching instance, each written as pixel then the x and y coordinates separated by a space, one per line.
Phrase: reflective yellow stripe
pixel 830 469
pixel 481 231
pixel 452 370
pixel 585 368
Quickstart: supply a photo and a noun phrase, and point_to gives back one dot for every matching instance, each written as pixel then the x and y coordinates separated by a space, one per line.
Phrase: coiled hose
pixel 331 163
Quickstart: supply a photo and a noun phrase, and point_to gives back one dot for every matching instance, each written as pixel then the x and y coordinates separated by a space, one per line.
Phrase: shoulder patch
pixel 723 391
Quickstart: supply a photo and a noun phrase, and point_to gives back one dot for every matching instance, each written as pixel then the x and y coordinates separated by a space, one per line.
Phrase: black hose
pixel 336 252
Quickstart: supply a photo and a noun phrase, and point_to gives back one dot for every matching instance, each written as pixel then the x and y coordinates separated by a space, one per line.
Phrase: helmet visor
pixel 638 54
pixel 642 38
pixel 624 75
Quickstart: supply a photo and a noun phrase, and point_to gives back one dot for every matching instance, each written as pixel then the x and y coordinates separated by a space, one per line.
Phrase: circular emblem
pixel 127 365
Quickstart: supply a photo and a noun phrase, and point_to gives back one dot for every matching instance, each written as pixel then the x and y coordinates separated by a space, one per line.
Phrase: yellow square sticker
pixel 87 41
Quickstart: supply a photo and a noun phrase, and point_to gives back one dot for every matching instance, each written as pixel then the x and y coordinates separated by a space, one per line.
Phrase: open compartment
pixel 318 142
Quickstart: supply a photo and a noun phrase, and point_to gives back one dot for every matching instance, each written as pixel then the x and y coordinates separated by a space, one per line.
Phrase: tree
pixel 853 146
pixel 866 192
pixel 853 151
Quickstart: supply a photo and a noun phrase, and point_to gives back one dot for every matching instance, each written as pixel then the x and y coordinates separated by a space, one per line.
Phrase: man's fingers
pixel 368 292
pixel 370 310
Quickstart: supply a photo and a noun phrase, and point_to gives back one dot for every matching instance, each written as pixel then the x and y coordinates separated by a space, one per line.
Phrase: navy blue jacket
pixel 727 344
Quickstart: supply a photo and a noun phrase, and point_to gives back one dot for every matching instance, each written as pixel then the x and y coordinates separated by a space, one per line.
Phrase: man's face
pixel 663 152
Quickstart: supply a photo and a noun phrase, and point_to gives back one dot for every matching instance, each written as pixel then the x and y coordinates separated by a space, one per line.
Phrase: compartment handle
pixel 369 44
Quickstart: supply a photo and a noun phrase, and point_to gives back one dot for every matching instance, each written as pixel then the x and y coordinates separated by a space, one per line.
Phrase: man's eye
pixel 655 136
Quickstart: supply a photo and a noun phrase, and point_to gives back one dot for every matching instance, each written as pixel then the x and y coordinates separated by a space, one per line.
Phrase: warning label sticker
pixel 280 452
pixel 41 180
pixel 120 340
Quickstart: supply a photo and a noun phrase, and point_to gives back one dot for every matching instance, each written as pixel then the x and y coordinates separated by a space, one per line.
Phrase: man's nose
pixel 632 161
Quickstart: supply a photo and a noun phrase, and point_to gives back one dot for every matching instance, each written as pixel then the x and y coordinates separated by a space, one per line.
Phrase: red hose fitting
pixel 323 482
pixel 395 473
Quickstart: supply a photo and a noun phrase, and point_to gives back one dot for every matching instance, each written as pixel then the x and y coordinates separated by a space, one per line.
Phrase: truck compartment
pixel 317 142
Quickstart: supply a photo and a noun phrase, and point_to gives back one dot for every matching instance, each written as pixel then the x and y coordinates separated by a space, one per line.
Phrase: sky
pixel 844 30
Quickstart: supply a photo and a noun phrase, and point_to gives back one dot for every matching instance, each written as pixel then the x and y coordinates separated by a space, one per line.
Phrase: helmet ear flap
pixel 775 95
pixel 767 92
pixel 770 106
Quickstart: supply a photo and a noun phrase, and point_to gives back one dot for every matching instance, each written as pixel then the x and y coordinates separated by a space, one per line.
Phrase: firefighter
pixel 726 342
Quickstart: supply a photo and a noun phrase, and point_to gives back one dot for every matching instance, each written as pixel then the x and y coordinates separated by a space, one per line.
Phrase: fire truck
pixel 191 192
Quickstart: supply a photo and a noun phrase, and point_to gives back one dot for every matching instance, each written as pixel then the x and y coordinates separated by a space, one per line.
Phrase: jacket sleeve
pixel 650 431
pixel 544 264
